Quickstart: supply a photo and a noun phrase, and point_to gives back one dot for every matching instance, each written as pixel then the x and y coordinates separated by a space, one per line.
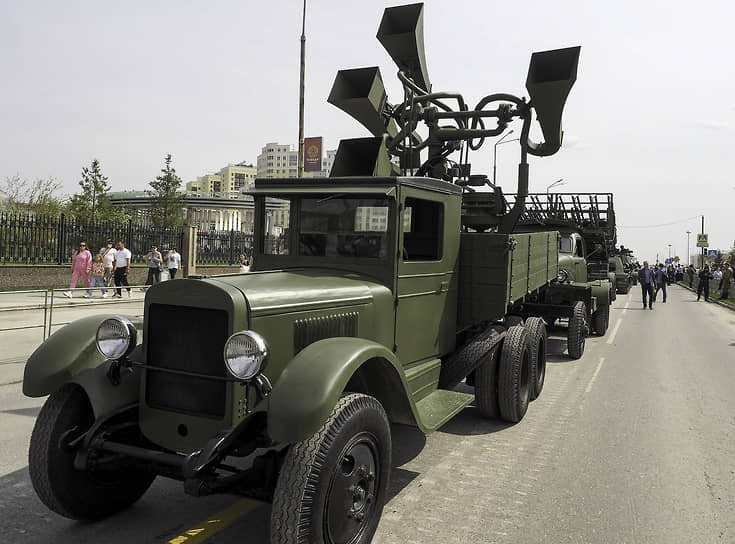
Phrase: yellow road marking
pixel 221 520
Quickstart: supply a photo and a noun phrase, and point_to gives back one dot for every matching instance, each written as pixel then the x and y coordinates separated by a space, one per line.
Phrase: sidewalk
pixel 22 317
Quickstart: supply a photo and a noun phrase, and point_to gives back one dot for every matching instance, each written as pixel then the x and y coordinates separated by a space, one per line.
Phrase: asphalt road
pixel 635 442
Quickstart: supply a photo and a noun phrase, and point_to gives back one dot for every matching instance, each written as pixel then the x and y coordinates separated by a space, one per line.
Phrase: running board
pixel 435 409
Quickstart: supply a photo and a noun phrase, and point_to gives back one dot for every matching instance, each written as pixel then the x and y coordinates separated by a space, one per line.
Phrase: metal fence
pixel 33 239
pixel 223 247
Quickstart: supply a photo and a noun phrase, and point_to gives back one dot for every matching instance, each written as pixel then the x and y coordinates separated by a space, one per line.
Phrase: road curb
pixel 711 299
pixel 9 371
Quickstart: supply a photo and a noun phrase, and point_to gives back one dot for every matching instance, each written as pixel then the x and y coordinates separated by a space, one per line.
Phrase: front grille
pixel 192 340
pixel 309 330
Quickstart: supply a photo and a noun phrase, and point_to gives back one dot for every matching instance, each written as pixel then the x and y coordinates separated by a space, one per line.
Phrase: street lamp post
pixel 669 251
pixel 689 259
pixel 495 150
pixel 300 170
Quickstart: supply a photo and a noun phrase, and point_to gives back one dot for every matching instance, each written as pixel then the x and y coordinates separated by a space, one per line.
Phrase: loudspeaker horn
pixel 360 92
pixel 366 157
pixel 401 32
pixel 551 76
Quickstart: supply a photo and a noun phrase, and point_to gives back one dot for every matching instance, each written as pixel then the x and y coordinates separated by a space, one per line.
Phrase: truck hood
pixel 277 292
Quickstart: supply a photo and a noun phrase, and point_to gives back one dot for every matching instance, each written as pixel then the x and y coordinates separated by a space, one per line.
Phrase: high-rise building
pixel 229 182
pixel 278 161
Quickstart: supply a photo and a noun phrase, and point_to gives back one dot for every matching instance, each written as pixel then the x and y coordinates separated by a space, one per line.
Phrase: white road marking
pixel 611 338
pixel 597 371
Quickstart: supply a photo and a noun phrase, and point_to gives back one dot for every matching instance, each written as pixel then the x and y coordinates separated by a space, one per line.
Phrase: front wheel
pixel 577 332
pixel 80 495
pixel 332 486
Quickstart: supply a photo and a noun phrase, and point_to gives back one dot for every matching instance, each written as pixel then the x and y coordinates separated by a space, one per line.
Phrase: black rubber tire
pixel 539 342
pixel 317 470
pixel 486 384
pixel 577 332
pixel 78 495
pixel 467 358
pixel 601 320
pixel 514 374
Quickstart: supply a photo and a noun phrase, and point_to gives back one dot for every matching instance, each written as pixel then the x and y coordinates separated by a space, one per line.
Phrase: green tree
pixel 167 206
pixel 94 199
pixel 39 197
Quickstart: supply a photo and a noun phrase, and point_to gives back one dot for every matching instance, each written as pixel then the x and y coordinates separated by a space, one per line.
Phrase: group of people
pixel 111 265
pixel 655 279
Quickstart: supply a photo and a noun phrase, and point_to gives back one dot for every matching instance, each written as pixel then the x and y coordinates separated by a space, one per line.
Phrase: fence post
pixel 232 246
pixel 189 251
pixel 129 235
pixel 60 237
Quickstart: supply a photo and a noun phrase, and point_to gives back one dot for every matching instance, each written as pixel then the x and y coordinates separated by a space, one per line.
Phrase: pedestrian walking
pixel 108 259
pixel 120 270
pixel 717 275
pixel 646 279
pixel 244 264
pixel 155 263
pixel 81 264
pixel 174 262
pixel 690 275
pixel 704 277
pixel 98 276
pixel 726 279
pixel 661 280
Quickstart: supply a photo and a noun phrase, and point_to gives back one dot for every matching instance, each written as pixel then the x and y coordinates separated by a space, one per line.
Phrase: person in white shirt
pixel 122 264
pixel 108 259
pixel 174 262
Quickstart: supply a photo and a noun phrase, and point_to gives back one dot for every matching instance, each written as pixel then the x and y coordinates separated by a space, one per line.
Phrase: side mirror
pixel 551 76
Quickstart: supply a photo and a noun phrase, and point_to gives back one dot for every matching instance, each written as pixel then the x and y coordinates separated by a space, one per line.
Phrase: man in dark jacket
pixel 704 277
pixel 690 275
pixel 646 279
pixel 661 280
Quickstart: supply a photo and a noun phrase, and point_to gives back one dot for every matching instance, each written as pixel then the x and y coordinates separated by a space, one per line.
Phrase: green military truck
pixel 280 384
pixel 586 225
pixel 623 280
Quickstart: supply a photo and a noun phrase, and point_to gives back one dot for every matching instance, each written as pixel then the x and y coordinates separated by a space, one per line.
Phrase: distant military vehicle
pixel 623 280
pixel 586 224
pixel 380 296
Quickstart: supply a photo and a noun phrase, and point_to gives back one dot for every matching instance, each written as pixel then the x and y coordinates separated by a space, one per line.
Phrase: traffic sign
pixel 702 240
pixel 676 259
pixel 669 261
pixel 711 253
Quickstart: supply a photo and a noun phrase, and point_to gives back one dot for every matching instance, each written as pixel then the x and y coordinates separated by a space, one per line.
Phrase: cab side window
pixel 423 225
pixel 579 252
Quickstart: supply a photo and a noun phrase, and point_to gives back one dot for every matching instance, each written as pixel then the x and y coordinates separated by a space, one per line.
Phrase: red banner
pixel 313 154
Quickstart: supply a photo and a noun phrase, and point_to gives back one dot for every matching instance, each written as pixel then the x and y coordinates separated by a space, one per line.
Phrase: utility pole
pixel 689 258
pixel 301 94
pixel 703 248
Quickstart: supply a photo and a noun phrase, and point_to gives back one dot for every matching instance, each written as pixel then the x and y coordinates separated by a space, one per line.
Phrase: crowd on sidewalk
pixel 654 280
pixel 109 267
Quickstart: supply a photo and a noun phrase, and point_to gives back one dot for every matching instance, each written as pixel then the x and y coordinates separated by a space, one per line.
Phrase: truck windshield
pixel 338 226
pixel 566 244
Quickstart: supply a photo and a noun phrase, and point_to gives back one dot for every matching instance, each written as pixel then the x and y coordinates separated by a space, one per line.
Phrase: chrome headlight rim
pixel 263 352
pixel 129 335
pixel 562 275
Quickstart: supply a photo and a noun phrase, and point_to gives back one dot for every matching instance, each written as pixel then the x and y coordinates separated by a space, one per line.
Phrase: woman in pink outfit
pixel 81 264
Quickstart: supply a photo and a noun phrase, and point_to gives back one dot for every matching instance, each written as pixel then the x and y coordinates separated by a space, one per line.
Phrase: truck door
pixel 426 288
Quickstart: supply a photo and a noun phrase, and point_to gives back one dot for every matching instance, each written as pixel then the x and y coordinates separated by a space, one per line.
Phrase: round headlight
pixel 116 337
pixel 563 275
pixel 245 354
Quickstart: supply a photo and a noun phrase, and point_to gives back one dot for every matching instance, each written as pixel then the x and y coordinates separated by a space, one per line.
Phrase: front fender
pixel 602 293
pixel 70 355
pixel 309 387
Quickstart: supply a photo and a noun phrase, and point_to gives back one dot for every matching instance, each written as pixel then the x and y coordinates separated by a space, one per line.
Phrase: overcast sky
pixel 651 117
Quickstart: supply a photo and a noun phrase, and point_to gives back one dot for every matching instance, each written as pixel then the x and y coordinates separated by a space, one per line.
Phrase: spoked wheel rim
pixel 351 496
